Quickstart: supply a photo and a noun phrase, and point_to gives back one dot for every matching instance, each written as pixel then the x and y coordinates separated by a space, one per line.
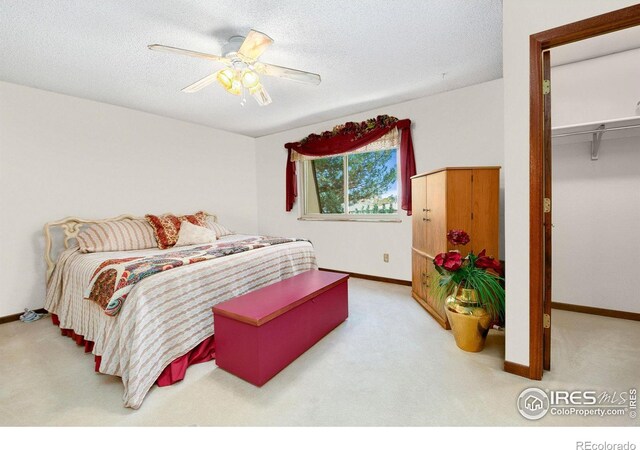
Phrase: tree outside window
pixel 358 184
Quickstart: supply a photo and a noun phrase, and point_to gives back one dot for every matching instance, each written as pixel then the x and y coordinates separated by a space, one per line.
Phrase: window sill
pixel 394 219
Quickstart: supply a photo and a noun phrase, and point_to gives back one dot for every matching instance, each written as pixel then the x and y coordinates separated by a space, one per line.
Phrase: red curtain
pixel 329 143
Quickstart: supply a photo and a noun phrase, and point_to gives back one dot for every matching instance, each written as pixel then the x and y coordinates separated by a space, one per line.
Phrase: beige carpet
pixel 389 364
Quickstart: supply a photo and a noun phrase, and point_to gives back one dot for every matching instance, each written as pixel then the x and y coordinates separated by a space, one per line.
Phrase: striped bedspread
pixel 165 315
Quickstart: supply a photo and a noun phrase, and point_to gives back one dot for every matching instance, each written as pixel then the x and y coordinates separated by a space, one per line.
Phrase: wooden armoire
pixel 464 198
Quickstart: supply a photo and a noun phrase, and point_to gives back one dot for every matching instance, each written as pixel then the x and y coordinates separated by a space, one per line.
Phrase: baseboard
pixel 516 369
pixel 370 277
pixel 14 317
pixel 596 311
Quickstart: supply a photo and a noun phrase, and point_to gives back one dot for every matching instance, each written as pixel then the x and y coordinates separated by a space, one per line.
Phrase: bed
pixel 166 315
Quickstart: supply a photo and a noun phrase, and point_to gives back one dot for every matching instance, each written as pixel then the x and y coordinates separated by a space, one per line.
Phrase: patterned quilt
pixel 114 279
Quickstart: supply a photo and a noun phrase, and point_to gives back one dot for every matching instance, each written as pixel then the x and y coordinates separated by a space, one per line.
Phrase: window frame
pixel 345 216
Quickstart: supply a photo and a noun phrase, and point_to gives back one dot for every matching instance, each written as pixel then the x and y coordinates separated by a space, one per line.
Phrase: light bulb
pixel 228 79
pixel 236 88
pixel 225 78
pixel 250 79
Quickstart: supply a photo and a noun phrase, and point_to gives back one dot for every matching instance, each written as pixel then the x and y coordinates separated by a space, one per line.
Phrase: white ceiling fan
pixel 243 70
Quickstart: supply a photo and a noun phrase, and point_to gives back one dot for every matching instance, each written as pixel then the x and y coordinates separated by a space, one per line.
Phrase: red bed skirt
pixel 174 372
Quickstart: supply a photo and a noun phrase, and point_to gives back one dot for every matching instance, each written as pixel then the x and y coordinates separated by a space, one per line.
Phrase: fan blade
pixel 182 51
pixel 289 74
pixel 206 81
pixel 261 96
pixel 254 44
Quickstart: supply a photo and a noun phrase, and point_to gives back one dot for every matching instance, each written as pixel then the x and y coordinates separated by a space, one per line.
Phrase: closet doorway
pixel 541 199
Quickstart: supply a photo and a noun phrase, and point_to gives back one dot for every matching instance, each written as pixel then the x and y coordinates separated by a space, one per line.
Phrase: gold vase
pixel 469 321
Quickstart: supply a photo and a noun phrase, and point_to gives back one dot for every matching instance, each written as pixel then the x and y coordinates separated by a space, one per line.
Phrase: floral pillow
pixel 167 226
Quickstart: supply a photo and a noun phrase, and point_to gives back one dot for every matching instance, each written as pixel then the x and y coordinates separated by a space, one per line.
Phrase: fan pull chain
pixel 244 98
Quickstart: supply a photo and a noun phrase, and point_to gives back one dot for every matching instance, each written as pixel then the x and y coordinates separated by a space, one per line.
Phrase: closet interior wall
pixel 596 204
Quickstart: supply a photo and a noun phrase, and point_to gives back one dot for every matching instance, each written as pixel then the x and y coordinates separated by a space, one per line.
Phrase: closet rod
pixel 595 131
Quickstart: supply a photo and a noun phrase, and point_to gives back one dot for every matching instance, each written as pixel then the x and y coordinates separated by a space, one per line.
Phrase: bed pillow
pixel 220 230
pixel 117 235
pixel 167 226
pixel 193 234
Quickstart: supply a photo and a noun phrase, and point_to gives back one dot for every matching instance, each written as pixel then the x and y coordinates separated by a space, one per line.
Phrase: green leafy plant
pixel 479 272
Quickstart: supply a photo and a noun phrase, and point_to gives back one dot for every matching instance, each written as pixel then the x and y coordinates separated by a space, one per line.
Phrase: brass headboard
pixel 71 226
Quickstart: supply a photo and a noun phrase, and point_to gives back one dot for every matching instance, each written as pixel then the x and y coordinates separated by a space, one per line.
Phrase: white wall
pixel 461 127
pixel 521 19
pixel 596 204
pixel 64 156
pixel 596 89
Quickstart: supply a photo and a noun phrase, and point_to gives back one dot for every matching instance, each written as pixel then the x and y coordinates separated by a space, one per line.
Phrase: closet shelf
pixel 594 131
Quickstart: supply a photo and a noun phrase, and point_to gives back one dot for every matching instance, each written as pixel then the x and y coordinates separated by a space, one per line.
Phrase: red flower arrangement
pixel 451 261
pixel 357 129
pixel 479 272
pixel 458 237
pixel 487 262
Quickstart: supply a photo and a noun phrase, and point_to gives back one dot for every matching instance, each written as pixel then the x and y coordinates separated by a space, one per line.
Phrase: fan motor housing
pixel 232 46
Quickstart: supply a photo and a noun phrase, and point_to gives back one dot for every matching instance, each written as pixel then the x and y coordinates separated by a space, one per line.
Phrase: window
pixel 356 186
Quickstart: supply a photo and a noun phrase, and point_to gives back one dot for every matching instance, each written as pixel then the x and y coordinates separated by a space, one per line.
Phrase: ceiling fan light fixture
pixel 236 88
pixel 230 81
pixel 225 78
pixel 250 79
pixel 243 69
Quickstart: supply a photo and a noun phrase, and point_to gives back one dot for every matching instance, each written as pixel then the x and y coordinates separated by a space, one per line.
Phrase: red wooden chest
pixel 260 333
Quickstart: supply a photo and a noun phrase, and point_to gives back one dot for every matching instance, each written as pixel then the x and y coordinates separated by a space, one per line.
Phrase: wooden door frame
pixel 540 42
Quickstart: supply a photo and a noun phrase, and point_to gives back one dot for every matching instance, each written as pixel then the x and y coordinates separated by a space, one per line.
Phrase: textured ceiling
pixel 370 53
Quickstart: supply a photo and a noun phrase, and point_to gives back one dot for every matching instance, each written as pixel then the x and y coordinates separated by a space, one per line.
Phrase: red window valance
pixel 349 137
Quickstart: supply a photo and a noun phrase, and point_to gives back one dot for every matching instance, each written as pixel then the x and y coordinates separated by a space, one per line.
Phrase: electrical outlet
pixel 385 257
